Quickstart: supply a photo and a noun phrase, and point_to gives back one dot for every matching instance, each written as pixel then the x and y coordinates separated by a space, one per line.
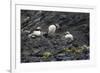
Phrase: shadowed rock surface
pixel 56 48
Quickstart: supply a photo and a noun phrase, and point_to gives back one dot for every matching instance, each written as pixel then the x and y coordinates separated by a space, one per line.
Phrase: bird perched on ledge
pixel 69 37
pixel 36 32
pixel 52 29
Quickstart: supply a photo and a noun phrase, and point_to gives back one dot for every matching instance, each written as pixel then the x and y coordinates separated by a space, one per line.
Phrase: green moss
pixel 73 50
pixel 67 50
pixel 46 55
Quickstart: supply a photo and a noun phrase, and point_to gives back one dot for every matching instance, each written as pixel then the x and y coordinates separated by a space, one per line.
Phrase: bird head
pixel 38 28
pixel 67 32
pixel 57 25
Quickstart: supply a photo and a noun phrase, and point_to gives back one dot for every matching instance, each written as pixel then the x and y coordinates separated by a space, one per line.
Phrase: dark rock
pixel 63 56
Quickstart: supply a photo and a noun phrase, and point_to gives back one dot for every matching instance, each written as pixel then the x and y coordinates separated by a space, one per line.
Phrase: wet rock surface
pixel 55 48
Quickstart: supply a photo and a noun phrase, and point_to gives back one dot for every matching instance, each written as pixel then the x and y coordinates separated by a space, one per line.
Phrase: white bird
pixel 36 32
pixel 52 29
pixel 69 37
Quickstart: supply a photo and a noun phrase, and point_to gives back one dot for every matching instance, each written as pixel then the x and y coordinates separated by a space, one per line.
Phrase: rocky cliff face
pixel 54 48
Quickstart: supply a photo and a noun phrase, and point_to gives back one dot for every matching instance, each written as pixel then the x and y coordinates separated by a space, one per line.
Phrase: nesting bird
pixel 69 37
pixel 52 29
pixel 36 32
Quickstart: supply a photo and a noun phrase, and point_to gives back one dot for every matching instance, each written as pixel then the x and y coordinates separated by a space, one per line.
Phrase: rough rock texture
pixel 33 49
